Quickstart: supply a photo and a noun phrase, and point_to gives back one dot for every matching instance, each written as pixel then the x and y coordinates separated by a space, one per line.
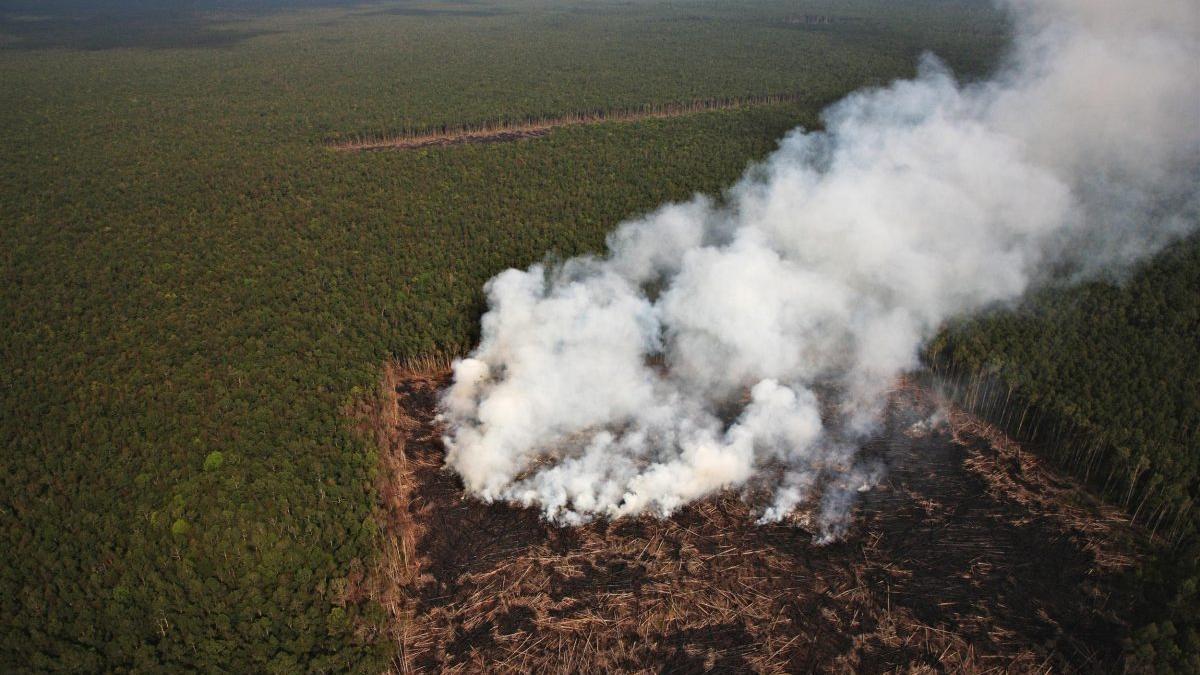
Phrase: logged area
pixel 202 268
pixel 504 130
pixel 971 556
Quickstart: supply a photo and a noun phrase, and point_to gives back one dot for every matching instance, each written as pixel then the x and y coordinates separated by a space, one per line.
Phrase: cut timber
pixel 971 556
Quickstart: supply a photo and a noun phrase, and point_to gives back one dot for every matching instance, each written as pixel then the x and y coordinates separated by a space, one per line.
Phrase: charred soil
pixel 970 555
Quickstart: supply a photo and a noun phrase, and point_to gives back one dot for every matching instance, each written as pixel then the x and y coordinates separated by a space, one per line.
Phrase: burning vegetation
pixel 970 555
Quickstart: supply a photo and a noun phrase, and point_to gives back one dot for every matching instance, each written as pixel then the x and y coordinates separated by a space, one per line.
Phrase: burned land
pixel 970 555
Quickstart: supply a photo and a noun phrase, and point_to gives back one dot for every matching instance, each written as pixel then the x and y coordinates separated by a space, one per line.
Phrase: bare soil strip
pixel 972 556
pixel 508 130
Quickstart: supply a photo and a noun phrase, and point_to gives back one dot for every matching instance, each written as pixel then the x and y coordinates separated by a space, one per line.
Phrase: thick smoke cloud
pixel 749 344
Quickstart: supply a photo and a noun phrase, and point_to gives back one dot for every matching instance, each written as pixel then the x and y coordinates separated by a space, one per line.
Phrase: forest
pixel 196 287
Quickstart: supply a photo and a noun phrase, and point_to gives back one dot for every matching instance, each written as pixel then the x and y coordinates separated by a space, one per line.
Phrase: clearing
pixel 971 555
pixel 508 130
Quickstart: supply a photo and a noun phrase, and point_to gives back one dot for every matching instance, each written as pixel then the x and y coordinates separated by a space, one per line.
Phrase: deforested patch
pixel 506 130
pixel 945 565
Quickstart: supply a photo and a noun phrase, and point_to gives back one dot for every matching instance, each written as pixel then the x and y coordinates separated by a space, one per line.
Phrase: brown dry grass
pixel 509 130
pixel 972 556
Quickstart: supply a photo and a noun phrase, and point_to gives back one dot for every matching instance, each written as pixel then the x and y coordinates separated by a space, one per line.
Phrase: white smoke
pixel 749 344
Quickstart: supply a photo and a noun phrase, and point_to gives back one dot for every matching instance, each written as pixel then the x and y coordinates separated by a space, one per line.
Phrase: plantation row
pixel 504 129
pixel 1105 380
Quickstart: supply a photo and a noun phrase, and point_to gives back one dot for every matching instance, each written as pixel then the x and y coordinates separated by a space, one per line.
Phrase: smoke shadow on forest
pixel 92 25
pixel 470 11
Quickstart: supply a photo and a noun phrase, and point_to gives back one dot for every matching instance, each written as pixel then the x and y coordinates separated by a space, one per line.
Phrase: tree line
pixel 1105 380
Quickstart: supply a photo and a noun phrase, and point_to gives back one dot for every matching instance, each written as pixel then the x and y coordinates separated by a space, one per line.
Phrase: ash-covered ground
pixel 970 555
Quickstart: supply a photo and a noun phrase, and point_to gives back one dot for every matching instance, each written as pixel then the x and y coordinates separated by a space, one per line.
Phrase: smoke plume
pixel 748 344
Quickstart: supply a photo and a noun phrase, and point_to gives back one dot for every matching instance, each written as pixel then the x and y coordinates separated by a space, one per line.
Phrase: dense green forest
pixel 1105 379
pixel 194 286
